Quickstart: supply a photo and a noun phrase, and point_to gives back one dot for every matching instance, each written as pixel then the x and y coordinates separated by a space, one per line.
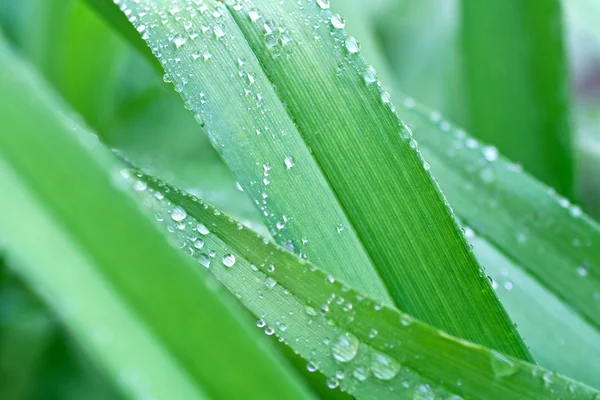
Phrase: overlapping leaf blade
pixel 100 263
pixel 370 350
pixel 322 154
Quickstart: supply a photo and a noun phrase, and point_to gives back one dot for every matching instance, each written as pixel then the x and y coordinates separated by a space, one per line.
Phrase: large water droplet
pixel 345 347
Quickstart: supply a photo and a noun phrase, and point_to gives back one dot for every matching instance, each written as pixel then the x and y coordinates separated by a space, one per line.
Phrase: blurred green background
pixel 91 66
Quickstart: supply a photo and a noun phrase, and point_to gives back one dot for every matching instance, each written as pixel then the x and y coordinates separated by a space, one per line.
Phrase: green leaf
pixel 121 290
pixel 499 203
pixel 317 146
pixel 517 84
pixel 369 349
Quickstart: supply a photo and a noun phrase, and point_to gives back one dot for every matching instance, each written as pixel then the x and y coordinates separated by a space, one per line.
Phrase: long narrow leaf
pixel 323 155
pixel 100 263
pixel 517 84
pixel 370 350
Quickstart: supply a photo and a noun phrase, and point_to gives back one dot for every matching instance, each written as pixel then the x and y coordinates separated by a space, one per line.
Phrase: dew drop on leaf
pixel 311 366
pixel 254 15
pixel 202 229
pixel 332 382
pixel 338 21
pixel 179 41
pixel 178 214
pixel 345 347
pixel 384 367
pixel 370 75
pixel 324 4
pixel 229 260
pixel 352 45
pixel 289 162
pixel 502 366
pixel 360 374
pixel 270 282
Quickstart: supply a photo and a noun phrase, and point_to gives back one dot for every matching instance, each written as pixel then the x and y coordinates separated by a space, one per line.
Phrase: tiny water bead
pixel 338 21
pixel 332 382
pixel 490 153
pixel 289 162
pixel 270 282
pixel 179 41
pixel 311 366
pixel 229 260
pixel 345 347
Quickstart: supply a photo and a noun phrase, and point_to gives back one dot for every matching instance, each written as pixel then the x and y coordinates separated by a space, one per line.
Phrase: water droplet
pixel 352 45
pixel 332 382
pixel 178 214
pixel 270 282
pixel 340 228
pixel 199 243
pixel 490 153
pixel 583 269
pixel 254 15
pixel 502 365
pixel 426 166
pixel 384 367
pixel 370 74
pixel 289 162
pixel 310 311
pixel 204 260
pixel 311 366
pixel 337 21
pixel 202 229
pixel 345 347
pixel 360 374
pixel 219 31
pixel 324 4
pixel 260 323
pixel 140 185
pixel 385 96
pixel 229 260
pixel 269 331
pixel 179 41
pixel 373 333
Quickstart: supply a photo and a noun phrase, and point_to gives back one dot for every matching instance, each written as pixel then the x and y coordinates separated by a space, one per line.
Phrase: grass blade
pixel 370 350
pixel 517 84
pixel 87 230
pixel 495 205
pixel 327 140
